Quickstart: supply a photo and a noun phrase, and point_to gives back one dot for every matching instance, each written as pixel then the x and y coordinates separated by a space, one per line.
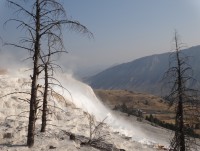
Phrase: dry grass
pixel 148 103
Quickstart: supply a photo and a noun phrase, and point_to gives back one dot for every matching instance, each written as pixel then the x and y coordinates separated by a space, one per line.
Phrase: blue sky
pixel 123 30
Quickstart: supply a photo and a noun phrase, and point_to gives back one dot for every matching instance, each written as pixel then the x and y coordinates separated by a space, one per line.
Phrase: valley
pixel 147 104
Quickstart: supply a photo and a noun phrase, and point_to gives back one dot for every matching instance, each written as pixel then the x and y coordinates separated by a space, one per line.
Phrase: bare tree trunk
pixel 182 97
pixel 45 21
pixel 179 114
pixel 181 127
pixel 33 100
pixel 44 111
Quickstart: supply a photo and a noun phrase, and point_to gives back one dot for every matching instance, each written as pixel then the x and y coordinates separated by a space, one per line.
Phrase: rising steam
pixel 83 97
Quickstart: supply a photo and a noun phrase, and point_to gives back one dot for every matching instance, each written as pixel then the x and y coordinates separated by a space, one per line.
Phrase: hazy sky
pixel 123 29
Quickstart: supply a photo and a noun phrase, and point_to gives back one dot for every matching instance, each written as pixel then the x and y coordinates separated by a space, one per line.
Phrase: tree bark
pixel 33 100
pixel 180 133
pixel 44 111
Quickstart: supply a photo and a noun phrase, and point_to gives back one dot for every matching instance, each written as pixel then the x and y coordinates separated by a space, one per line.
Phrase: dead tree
pixel 55 46
pixel 44 106
pixel 182 97
pixel 48 67
pixel 96 134
pixel 44 18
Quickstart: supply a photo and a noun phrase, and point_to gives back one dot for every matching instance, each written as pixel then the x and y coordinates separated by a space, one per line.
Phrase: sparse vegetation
pixel 96 134
pixel 130 111
pixel 155 121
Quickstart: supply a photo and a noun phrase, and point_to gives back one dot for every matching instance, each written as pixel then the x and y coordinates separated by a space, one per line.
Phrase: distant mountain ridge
pixel 144 74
